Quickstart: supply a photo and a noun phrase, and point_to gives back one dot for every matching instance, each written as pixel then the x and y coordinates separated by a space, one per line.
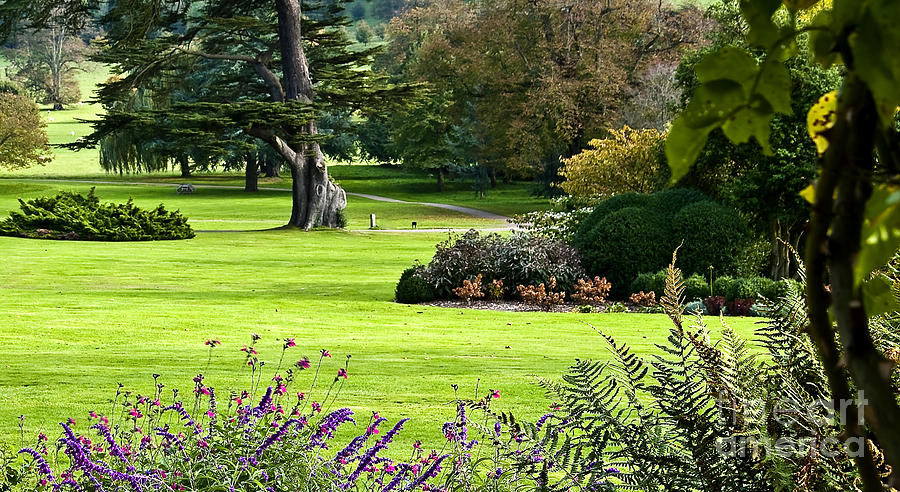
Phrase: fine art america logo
pixel 791 415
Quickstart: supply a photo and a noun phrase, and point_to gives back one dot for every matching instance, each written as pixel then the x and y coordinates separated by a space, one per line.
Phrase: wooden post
pixel 371 221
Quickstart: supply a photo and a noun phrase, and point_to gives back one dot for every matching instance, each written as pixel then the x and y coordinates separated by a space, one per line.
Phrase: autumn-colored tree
pixel 535 80
pixel 627 160
pixel 23 139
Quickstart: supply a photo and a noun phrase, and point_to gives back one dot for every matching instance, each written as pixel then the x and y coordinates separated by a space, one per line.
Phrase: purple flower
pixel 43 467
pixel 276 435
pixel 431 472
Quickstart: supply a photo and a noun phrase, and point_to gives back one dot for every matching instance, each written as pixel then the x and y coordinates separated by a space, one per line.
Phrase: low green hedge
pixel 82 217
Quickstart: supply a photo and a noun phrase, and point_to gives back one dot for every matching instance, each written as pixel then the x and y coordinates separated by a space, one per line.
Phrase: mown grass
pixel 81 317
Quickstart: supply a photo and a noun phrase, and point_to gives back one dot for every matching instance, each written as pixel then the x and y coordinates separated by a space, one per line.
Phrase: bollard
pixel 371 221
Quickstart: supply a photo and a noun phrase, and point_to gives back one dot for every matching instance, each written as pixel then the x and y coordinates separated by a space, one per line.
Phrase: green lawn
pixel 81 316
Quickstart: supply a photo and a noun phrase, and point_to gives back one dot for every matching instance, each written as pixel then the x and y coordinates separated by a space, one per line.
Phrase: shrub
pixel 644 299
pixel 750 288
pixel 412 287
pixel 558 225
pixel 623 244
pixel 695 287
pixel 785 287
pixel 470 289
pixel 754 260
pixel 721 285
pixel 616 307
pixel 740 307
pixel 74 216
pixel 591 291
pixel 495 290
pixel 542 296
pixel 669 202
pixel 627 160
pixel 630 234
pixel 520 259
pixel 713 235
pixel 714 305
pixel 643 282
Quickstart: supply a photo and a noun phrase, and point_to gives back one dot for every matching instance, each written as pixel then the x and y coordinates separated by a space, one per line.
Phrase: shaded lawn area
pixel 390 181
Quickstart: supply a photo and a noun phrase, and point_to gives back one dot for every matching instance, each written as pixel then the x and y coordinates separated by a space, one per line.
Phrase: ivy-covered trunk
pixel 317 201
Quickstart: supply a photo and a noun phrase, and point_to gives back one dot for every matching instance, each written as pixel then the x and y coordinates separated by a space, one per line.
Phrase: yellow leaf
pixel 821 119
pixel 809 194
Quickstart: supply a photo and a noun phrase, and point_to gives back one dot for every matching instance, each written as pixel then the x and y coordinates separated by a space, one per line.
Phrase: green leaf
pixel 713 102
pixel 879 297
pixel 775 86
pixel 823 41
pixel 751 122
pixel 758 13
pixel 881 231
pixel 683 146
pixel 729 63
pixel 874 42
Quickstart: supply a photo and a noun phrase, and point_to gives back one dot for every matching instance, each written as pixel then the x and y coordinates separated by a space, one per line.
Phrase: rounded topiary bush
pixel 670 202
pixel 713 235
pixel 623 244
pixel 695 287
pixel 610 205
pixel 750 288
pixel 412 288
pixel 721 285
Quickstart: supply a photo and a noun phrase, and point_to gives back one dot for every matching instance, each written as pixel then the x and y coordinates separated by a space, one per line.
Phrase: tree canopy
pixel 23 137
pixel 218 74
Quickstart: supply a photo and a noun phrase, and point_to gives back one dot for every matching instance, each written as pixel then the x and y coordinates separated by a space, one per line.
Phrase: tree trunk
pixel 251 173
pixel 785 240
pixel 273 168
pixel 317 201
pixel 440 179
pixel 841 191
pixel 492 173
pixel 185 167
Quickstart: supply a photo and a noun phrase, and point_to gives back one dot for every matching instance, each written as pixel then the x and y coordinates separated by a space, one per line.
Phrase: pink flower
pixel 495 394
pixel 316 407
pixel 289 342
pixel 342 373
pixel 281 389
pixel 210 414
pixel 93 415
pixel 71 421
pixel 303 363
pixel 203 444
pixel 213 342
pixel 326 353
pixel 135 413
